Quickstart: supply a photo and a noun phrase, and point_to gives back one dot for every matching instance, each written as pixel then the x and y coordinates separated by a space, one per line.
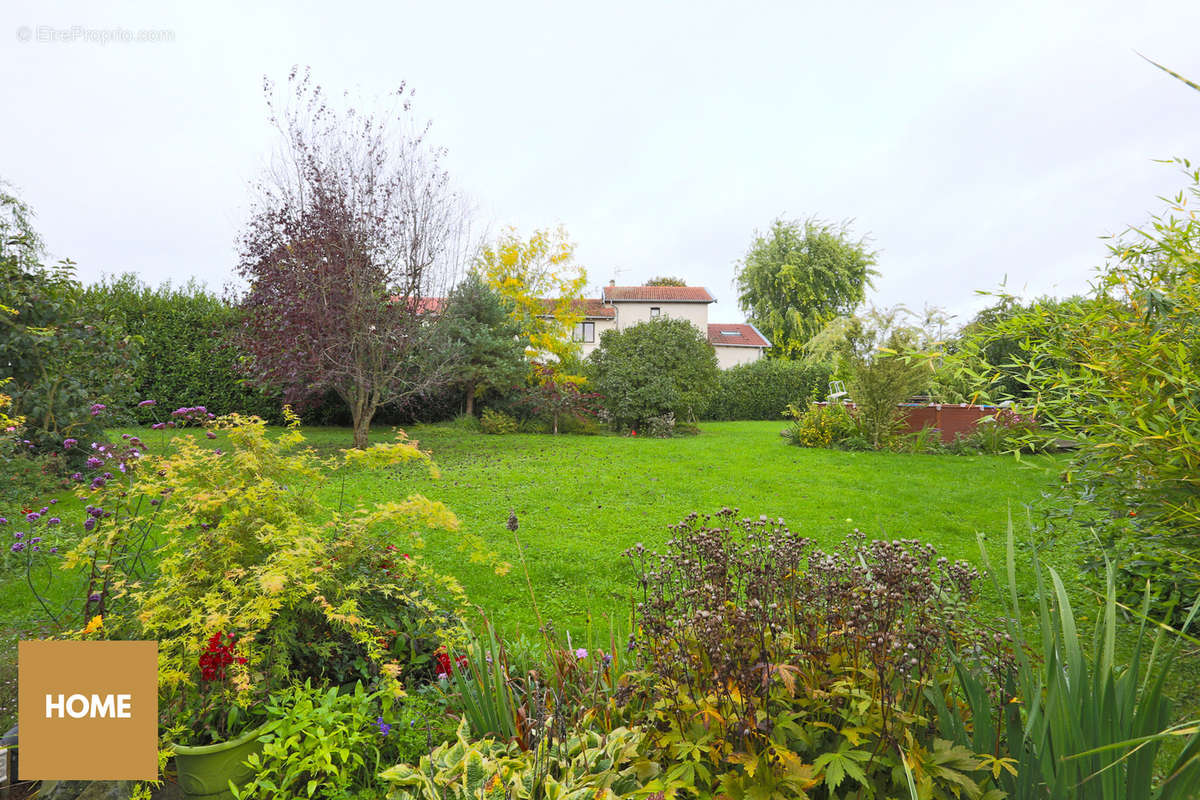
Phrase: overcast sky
pixel 971 141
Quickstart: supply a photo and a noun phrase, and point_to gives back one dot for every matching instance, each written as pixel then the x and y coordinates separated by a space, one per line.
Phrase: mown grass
pixel 583 500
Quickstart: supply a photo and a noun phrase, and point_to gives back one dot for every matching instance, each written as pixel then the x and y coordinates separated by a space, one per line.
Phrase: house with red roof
pixel 620 307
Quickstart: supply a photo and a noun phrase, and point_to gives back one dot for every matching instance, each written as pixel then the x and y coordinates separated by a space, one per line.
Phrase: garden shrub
pixel 765 388
pixel 783 670
pixel 820 425
pixel 557 398
pixel 497 422
pixel 466 422
pixel 65 367
pixel 653 368
pixel 1005 431
pixel 885 371
pixel 325 746
pixel 588 765
pixel 659 427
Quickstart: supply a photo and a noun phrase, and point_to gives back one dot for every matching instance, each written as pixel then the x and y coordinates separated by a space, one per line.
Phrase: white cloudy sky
pixel 972 141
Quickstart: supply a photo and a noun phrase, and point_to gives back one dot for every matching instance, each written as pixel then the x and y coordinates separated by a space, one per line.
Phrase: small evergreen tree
pixel 492 352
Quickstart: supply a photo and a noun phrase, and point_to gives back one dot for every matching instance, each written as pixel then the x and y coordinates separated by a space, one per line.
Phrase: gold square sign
pixel 88 710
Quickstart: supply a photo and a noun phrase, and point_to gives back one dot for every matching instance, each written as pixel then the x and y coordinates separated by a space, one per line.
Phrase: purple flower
pixel 33 516
pixel 158 426
pixel 69 443
pixel 19 535
pixel 94 462
pixel 146 403
pixel 53 549
pixel 94 597
pixel 210 434
pixel 35 540
pixel 3 521
pixel 76 476
pixel 53 500
pixel 124 435
pixel 97 408
pixel 580 653
pixel 35 548
pixel 607 659
pixel 17 547
pixel 53 521
pixel 89 524
pixel 384 728
pixel 218 451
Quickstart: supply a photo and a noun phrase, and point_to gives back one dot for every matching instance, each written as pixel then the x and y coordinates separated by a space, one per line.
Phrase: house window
pixel 655 312
pixel 584 332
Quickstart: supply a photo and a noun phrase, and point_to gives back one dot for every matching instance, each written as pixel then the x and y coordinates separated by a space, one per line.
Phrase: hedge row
pixel 185 356
pixel 763 389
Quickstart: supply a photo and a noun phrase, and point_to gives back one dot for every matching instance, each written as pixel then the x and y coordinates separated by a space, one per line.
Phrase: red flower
pixel 443 668
pixel 218 655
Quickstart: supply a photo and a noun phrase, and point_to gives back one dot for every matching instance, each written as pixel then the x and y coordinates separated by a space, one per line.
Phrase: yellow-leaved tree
pixel 544 285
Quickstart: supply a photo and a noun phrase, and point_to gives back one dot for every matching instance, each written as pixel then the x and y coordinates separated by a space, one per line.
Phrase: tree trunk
pixel 556 422
pixel 471 398
pixel 361 412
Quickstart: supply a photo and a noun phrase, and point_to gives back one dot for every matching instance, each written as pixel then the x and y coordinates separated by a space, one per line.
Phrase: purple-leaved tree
pixel 355 233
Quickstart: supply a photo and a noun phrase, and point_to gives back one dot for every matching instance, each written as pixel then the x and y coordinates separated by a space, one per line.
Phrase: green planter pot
pixel 205 771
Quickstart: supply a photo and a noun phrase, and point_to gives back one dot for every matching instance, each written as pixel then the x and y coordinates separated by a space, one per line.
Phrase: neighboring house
pixel 619 307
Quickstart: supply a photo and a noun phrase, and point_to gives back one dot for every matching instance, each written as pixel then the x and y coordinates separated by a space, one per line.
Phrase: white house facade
pixel 620 307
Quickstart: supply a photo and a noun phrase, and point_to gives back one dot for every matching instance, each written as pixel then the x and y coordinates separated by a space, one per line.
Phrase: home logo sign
pixel 88 710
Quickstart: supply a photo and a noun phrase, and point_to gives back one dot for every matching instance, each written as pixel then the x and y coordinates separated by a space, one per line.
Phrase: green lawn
pixel 582 500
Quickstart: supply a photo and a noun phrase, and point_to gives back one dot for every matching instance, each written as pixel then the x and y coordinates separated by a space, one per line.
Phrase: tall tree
pixel 479 320
pixel 540 278
pixel 352 235
pixel 798 276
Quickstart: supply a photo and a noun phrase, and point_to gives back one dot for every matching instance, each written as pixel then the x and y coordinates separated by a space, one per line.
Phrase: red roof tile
pixel 736 335
pixel 590 307
pixel 658 294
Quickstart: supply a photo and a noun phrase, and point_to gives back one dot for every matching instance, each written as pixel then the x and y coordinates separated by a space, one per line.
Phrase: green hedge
pixel 186 357
pixel 763 389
